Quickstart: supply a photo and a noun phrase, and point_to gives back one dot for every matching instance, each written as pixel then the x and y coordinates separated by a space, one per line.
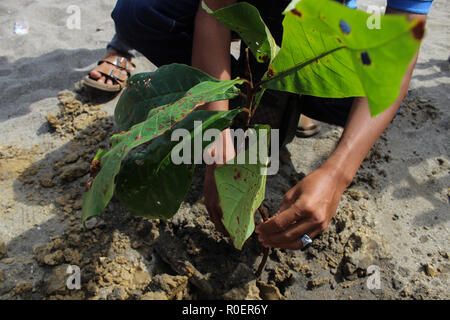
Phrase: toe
pixel 94 74
pixel 101 79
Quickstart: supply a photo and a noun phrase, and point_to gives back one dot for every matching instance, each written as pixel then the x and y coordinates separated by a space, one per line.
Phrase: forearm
pixel 362 131
pixel 211 54
pixel 360 134
pixel 211 47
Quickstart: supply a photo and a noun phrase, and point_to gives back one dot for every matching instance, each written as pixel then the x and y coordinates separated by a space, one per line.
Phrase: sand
pixel 395 216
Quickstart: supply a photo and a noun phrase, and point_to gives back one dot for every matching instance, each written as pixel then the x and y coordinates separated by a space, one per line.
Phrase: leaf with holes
pixel 149 183
pixel 241 187
pixel 329 51
pixel 148 90
pixel 245 20
pixel 159 120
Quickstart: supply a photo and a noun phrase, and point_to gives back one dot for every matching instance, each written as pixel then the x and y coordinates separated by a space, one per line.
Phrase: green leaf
pixel 328 51
pixel 241 189
pixel 244 19
pixel 146 91
pixel 149 184
pixel 159 120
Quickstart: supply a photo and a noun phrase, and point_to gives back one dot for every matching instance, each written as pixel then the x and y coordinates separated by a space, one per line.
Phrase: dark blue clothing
pixel 162 29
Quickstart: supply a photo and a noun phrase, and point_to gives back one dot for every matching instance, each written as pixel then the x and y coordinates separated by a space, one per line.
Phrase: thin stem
pixel 263 262
pixel 266 251
pixel 249 70
pixel 257 100
pixel 263 212
pixel 250 87
pixel 250 99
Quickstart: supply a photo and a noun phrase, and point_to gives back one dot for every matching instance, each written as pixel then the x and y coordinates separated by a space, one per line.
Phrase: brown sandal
pixel 112 69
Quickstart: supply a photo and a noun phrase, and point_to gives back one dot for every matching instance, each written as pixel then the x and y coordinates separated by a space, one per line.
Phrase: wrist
pixel 341 173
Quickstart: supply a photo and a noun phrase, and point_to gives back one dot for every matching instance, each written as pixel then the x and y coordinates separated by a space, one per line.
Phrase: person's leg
pixel 115 51
pixel 120 46
pixel 328 110
pixel 159 29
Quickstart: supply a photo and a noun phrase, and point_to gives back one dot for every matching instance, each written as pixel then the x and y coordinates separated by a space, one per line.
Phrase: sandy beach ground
pixel 393 219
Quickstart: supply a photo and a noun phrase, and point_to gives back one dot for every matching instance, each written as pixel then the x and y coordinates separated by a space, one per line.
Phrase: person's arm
pixel 211 54
pixel 310 205
pixel 211 47
pixel 361 131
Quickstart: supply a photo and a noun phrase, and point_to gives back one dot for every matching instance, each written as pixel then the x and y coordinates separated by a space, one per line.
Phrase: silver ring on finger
pixel 306 241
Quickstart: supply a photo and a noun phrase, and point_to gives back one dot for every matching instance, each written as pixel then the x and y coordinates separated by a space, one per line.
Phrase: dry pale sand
pixel 395 215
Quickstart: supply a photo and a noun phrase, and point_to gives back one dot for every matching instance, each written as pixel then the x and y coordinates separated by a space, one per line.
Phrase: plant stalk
pixel 250 87
pixel 266 251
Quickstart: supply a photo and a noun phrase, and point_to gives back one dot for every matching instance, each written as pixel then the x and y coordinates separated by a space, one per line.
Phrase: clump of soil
pixel 110 267
pixel 88 127
pixel 74 116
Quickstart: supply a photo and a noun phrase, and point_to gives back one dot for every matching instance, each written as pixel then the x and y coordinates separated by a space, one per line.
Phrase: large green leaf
pixel 241 189
pixel 159 120
pixel 149 184
pixel 244 19
pixel 328 51
pixel 148 90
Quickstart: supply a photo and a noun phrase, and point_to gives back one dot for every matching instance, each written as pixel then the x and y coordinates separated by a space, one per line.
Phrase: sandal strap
pixel 112 73
pixel 119 62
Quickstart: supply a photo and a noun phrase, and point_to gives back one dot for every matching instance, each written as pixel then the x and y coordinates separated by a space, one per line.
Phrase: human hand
pixel 307 208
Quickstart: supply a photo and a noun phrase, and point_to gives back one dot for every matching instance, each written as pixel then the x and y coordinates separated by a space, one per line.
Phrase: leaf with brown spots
pixel 359 61
pixel 149 184
pixel 102 189
pixel 166 85
pixel 241 189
